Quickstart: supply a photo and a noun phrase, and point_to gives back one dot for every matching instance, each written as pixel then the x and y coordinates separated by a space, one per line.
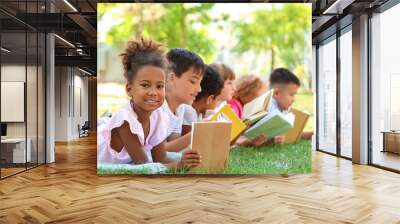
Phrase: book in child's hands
pixel 256 117
pixel 273 124
pixel 293 135
pixel 225 113
pixel 212 141
pixel 258 105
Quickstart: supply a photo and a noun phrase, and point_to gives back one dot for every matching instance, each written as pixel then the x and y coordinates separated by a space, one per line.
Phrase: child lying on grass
pixel 248 88
pixel 136 133
pixel 206 100
pixel 285 85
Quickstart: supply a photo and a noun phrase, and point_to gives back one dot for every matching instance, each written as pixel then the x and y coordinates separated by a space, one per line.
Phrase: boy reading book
pixel 278 121
pixel 185 72
pixel 285 85
pixel 206 100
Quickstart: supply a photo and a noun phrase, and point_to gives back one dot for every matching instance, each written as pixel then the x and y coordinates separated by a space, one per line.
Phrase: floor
pixel 70 191
pixel 10 171
pixel 5 172
pixel 387 159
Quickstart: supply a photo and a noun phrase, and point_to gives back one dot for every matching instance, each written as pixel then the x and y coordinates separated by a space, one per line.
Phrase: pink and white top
pixel 236 106
pixel 157 134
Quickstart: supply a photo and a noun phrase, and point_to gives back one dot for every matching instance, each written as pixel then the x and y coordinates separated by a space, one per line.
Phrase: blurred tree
pixel 175 25
pixel 284 32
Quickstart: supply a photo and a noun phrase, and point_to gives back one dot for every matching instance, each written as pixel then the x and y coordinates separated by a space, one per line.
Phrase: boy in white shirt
pixel 285 85
pixel 185 72
pixel 206 100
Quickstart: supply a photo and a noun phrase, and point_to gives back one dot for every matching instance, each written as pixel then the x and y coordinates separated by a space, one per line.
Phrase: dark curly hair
pixel 211 84
pixel 139 53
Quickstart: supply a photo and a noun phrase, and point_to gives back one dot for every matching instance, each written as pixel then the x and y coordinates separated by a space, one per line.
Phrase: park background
pixel 251 38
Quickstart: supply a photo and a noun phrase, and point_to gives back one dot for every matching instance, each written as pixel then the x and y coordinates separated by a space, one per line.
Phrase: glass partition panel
pixel 327 96
pixel 14 153
pixel 346 94
pixel 385 84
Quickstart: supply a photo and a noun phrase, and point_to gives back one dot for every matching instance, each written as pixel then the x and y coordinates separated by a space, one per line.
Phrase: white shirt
pixel 190 115
pixel 175 120
pixel 274 106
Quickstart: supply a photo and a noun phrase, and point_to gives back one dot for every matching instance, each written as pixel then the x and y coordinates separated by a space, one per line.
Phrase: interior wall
pixel 17 73
pixel 71 102
pixel 61 103
pixel 92 101
pixel 80 104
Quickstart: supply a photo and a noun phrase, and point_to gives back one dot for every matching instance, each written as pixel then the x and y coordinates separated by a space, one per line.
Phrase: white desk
pixel 18 149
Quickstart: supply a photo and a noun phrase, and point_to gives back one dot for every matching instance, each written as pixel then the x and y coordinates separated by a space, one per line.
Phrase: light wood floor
pixel 387 159
pixel 70 191
pixel 10 171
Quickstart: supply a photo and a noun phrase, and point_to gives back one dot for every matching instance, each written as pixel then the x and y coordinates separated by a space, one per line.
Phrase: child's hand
pixel 190 158
pixel 256 142
pixel 279 139
pixel 307 135
pixel 259 141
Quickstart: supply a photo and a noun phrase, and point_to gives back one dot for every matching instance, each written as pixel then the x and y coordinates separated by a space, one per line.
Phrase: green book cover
pixel 271 125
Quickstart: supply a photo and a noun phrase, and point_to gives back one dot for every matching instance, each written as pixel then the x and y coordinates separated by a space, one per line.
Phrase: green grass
pixel 271 159
pixel 122 171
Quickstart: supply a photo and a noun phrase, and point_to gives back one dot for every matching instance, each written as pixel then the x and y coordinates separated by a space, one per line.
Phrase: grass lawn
pixel 121 171
pixel 276 159
pixel 273 159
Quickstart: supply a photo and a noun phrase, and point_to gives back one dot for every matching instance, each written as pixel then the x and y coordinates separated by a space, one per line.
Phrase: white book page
pixel 254 106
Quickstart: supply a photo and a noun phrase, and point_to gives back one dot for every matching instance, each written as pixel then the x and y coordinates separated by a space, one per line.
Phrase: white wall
pixel 14 73
pixel 61 103
pixel 34 124
pixel 71 94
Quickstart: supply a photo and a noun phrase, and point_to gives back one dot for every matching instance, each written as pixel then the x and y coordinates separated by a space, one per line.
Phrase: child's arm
pixel 189 158
pixel 259 141
pixel 173 136
pixel 132 144
pixel 307 135
pixel 256 142
pixel 177 144
pixel 279 139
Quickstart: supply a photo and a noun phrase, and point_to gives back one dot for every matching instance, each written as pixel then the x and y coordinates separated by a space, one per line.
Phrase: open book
pixel 257 107
pixel 212 141
pixel 293 135
pixel 273 124
pixel 225 113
